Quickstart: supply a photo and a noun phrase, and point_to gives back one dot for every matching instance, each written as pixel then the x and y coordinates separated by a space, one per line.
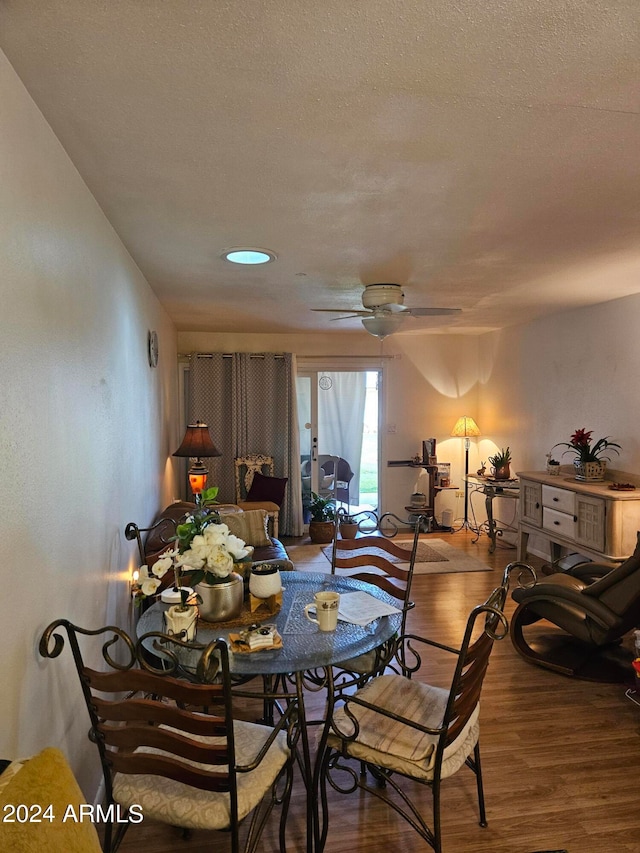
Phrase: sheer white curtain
pixel 341 421
pixel 249 402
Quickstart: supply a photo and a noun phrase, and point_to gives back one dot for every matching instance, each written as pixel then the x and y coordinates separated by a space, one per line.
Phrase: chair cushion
pixel 46 779
pixel 395 745
pixel 267 488
pixel 250 526
pixel 181 805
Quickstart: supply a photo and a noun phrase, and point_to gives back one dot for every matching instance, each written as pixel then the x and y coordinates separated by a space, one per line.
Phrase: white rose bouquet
pixel 205 549
pixel 212 553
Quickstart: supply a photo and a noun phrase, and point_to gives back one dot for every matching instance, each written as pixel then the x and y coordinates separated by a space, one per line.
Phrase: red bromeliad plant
pixel 580 444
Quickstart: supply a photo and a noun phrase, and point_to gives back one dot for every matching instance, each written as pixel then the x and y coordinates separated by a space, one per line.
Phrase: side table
pixel 492 489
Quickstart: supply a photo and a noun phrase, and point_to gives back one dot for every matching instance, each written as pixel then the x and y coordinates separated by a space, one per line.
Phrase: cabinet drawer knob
pixel 556 499
pixel 557 523
pixel 537 505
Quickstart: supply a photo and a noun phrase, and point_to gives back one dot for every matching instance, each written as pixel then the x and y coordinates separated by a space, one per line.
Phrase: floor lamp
pixel 465 427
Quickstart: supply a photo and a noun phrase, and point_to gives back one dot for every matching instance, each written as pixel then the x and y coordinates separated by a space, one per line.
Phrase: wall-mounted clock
pixel 152 348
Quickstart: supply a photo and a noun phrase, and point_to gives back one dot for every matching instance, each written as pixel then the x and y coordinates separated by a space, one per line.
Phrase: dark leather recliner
pixel 596 606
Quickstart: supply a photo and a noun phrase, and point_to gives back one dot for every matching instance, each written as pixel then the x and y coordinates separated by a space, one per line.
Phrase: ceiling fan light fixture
pixel 376 295
pixel 248 256
pixel 382 326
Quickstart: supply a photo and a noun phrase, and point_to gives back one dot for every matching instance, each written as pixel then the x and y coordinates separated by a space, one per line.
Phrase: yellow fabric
pixel 45 780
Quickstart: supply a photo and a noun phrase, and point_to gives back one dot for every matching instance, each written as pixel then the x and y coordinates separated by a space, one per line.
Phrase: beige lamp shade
pixel 465 427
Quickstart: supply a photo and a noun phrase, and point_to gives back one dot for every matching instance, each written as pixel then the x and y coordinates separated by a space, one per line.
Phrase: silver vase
pixel 221 601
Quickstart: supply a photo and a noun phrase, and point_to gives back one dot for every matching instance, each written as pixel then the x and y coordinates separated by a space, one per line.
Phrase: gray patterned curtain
pixel 249 402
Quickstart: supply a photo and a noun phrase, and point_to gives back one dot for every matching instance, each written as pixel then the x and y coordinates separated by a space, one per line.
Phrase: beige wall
pixel 577 369
pixel 86 426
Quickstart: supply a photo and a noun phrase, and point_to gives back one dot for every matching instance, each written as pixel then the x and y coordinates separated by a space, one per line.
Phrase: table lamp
pixel 196 444
pixel 465 427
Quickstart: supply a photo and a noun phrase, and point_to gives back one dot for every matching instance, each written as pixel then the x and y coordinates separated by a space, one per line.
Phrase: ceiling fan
pixel 384 311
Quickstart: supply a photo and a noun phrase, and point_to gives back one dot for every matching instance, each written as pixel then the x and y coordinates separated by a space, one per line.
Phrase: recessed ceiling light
pixel 249 256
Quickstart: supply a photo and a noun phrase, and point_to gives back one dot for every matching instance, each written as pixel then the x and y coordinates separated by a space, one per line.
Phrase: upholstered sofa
pixel 248 525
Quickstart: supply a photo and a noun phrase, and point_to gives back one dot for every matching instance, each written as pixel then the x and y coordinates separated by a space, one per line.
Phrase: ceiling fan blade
pixel 433 312
pixel 354 312
pixel 393 307
pixel 350 316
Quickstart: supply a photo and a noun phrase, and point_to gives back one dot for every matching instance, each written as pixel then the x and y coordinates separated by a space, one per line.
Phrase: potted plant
pixel 500 463
pixel 590 459
pixel 553 466
pixel 348 524
pixel 323 513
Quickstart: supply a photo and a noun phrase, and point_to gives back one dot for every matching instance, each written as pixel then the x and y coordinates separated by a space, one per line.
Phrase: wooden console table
pixel 590 518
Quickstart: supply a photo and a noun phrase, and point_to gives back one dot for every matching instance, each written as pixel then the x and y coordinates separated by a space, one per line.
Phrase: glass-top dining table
pixel 306 651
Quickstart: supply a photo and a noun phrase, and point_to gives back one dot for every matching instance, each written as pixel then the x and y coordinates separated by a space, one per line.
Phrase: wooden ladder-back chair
pixel 385 564
pixel 400 728
pixel 171 749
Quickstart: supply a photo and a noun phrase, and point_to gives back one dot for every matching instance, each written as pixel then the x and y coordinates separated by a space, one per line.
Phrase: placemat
pixel 245 618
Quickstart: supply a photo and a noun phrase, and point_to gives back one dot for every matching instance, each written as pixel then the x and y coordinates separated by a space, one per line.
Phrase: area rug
pixel 434 557
pixel 425 554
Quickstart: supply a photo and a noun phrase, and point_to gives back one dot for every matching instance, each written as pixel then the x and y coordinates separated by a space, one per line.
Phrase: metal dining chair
pixel 172 750
pixel 387 565
pixel 398 729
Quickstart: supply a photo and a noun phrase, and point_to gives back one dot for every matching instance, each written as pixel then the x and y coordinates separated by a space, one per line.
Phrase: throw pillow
pixel 250 526
pixel 267 488
pixel 46 781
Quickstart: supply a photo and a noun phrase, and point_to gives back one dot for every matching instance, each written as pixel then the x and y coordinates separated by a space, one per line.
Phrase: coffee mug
pixel 326 605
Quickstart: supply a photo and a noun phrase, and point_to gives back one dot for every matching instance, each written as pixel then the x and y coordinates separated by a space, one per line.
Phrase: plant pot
pixel 348 529
pixel 502 473
pixel 591 472
pixel 321 532
pixel 265 580
pixel 221 601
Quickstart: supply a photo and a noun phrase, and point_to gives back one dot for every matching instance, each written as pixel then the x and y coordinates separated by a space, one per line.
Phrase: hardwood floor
pixel 561 757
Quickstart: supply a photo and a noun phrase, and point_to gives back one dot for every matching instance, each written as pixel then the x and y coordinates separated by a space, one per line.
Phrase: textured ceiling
pixel 483 153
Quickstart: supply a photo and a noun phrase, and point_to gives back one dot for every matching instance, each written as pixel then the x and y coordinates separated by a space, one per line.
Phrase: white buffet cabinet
pixel 590 518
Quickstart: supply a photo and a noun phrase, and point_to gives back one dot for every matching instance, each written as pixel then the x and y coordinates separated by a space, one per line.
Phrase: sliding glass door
pixel 338 416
